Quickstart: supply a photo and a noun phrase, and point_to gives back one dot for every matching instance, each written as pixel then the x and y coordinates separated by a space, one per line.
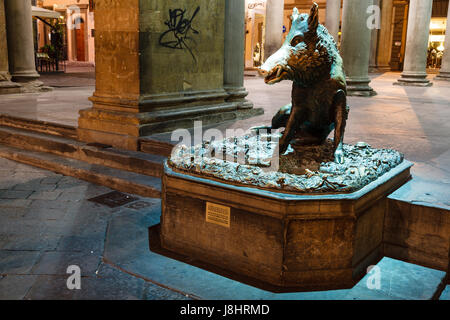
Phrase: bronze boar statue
pixel 310 58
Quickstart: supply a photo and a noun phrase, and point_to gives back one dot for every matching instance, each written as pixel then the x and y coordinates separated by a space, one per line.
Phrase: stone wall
pixel 177 58
pixel 117 42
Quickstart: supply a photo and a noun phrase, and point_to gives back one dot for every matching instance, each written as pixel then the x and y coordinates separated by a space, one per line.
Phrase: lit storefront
pixel 76 27
pixel 436 45
pixel 255 12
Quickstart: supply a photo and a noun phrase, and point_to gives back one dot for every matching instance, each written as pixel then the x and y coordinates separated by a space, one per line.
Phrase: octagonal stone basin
pixel 290 242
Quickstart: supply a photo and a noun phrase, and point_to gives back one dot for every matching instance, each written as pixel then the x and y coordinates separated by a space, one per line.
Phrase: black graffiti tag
pixel 177 36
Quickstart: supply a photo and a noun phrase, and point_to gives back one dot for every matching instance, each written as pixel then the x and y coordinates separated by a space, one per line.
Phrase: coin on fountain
pixel 362 144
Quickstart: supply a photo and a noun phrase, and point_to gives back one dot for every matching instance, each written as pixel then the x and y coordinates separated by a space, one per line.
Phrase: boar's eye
pixel 297 40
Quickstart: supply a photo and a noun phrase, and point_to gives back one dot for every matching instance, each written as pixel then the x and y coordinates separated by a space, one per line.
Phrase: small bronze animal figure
pixel 310 58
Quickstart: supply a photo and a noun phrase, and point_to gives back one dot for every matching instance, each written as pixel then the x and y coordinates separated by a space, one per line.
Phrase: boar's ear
pixel 295 14
pixel 313 20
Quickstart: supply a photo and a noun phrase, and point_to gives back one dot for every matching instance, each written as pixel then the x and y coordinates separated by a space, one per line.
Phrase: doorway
pixel 80 39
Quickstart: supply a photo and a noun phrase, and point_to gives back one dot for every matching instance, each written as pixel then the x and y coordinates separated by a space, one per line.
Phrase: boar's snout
pixel 276 67
pixel 262 72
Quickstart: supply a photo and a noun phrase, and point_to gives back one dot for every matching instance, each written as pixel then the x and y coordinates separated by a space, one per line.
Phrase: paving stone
pixel 4 174
pixel 12 213
pixel 17 262
pixel 7 184
pixel 67 182
pixel 33 242
pixel 81 244
pixel 15 194
pixel 400 280
pixel 86 224
pixel 95 191
pixel 44 204
pixel 154 292
pixel 22 226
pixel 46 213
pixel 56 263
pixel 7 163
pixel 111 284
pixel 23 176
pixel 445 294
pixel 45 195
pixel 15 203
pixel 35 185
pixel 52 180
pixel 3 240
pixel 144 205
pixel 14 287
pixel 50 288
pixel 72 196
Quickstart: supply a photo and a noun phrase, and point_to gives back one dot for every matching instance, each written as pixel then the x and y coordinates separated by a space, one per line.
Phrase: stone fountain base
pixel 289 241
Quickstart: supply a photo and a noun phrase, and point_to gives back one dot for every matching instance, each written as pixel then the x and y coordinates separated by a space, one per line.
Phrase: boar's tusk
pixel 279 71
pixel 263 72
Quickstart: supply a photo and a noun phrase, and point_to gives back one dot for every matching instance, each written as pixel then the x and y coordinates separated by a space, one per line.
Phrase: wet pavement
pixel 48 224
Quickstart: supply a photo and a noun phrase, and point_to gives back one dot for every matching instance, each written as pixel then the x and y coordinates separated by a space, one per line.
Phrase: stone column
pixel 373 63
pixel 385 36
pixel 333 18
pixel 414 69
pixel 6 86
pixel 233 74
pixel 355 47
pixel 444 73
pixel 148 81
pixel 274 27
pixel 20 41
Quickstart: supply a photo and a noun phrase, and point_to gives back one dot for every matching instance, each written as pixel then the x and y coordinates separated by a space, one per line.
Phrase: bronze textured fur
pixel 310 58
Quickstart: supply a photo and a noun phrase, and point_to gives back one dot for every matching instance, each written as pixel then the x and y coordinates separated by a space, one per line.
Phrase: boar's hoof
pixel 339 155
pixel 257 129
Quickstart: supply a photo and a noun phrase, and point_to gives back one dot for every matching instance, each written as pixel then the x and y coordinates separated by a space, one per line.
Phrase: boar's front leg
pixel 296 117
pixel 340 111
pixel 278 121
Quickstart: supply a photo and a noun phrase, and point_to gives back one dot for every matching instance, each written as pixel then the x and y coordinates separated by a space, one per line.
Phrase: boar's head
pixel 308 54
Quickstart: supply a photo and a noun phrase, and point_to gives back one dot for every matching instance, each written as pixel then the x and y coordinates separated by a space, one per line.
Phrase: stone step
pixel 157 145
pixel 138 162
pixel 417 224
pixel 120 180
pixel 50 128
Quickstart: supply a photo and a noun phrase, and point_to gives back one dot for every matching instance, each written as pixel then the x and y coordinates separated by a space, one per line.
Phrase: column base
pixel 29 81
pixel 237 95
pixel 413 80
pixel 360 88
pixel 34 87
pixel 8 87
pixel 25 76
pixel 443 76
pixel 124 129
